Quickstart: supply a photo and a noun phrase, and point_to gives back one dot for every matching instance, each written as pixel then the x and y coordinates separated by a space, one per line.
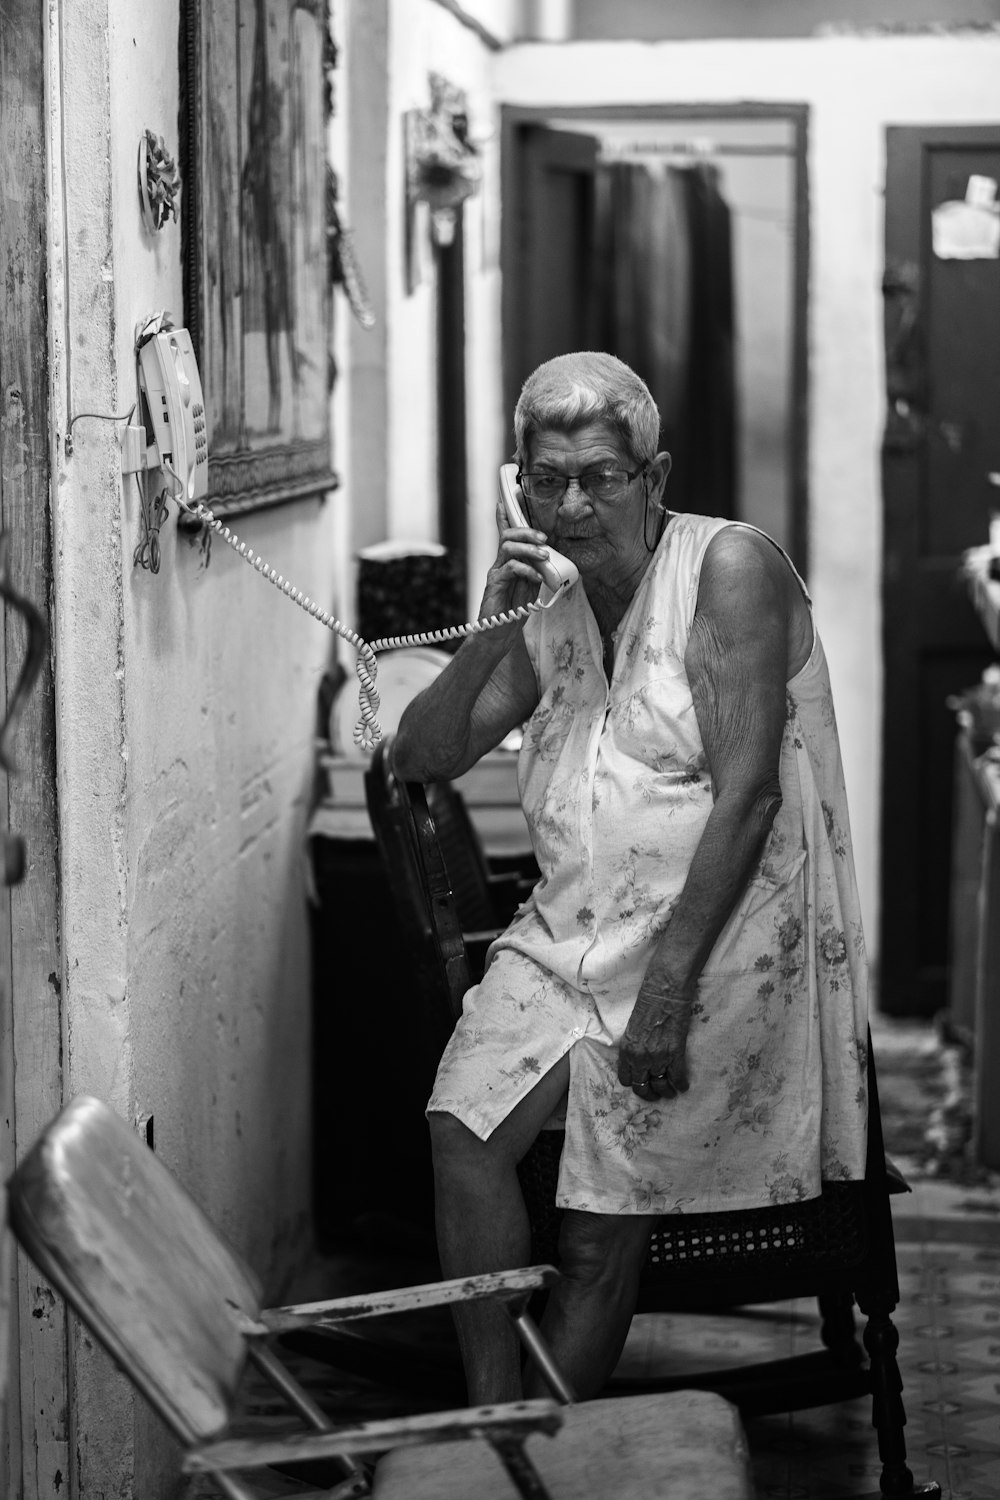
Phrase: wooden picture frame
pixel 253 221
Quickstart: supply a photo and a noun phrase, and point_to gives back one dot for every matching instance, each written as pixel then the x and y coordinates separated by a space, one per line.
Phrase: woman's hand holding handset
pixel 557 572
pixel 523 560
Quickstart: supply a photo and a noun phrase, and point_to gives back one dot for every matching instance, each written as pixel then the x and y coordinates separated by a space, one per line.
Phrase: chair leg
pixel 888 1414
pixel 539 1351
pixel 510 1449
pixel 837 1329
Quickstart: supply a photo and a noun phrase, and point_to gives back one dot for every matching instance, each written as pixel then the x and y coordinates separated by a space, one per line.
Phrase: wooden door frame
pixel 452 445
pixel 35 1456
pixel 907 224
pixel 514 117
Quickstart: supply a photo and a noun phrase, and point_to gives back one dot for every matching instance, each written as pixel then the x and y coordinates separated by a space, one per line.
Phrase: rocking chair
pixel 837 1248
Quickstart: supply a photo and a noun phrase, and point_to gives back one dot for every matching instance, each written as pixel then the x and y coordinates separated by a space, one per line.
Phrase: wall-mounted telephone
pixel 557 571
pixel 175 408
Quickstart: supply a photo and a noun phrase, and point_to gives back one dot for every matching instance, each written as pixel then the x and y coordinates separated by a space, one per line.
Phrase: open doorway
pixel 677 238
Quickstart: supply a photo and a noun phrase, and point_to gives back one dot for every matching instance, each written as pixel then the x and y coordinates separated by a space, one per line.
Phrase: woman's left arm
pixel 737 665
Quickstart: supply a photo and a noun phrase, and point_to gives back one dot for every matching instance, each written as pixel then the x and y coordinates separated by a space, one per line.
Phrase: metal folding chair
pixel 135 1258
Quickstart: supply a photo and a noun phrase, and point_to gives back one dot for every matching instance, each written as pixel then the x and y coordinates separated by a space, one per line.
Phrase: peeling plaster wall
pixel 855 87
pixel 186 710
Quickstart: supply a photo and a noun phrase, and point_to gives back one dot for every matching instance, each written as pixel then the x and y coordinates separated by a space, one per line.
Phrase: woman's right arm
pixel 484 692
pixel 488 687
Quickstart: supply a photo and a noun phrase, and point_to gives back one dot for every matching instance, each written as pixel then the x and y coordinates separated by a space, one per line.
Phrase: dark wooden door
pixel 942 441
pixel 548 227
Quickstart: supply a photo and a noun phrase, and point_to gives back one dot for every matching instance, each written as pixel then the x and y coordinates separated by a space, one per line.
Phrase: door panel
pixel 35 1450
pixel 963 361
pixel 941 440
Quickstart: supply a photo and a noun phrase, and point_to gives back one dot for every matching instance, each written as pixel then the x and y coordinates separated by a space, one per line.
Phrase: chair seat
pixel 684 1446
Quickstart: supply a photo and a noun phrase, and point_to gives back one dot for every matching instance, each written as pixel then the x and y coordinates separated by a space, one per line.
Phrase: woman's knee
pixel 603 1250
pixel 456 1151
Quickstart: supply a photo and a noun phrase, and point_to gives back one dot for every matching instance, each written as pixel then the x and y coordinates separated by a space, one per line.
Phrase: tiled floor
pixel 948 1254
pixel 949 1355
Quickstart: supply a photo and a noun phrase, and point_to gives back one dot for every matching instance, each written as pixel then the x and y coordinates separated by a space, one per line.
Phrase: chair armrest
pixel 514 1418
pixel 499 1284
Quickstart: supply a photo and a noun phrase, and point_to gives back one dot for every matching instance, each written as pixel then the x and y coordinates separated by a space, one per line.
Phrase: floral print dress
pixel 616 791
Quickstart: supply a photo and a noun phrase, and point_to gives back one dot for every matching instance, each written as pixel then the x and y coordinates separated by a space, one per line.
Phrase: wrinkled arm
pixel 484 692
pixel 737 664
pixel 489 686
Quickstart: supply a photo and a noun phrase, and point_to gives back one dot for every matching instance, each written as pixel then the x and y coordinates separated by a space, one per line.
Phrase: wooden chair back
pixel 139 1263
pixel 421 890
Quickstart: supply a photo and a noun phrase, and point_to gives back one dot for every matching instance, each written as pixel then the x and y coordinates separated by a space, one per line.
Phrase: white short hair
pixel 575 389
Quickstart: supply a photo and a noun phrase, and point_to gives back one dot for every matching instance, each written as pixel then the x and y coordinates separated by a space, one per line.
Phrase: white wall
pixel 425 38
pixel 185 714
pixel 394 364
pixel 854 87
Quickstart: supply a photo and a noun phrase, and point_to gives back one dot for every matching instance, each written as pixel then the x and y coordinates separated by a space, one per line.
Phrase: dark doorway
pixel 942 440
pixel 592 259
pixel 548 247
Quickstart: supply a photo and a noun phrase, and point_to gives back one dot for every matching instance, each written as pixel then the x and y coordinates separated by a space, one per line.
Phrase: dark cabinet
pixel 373 1066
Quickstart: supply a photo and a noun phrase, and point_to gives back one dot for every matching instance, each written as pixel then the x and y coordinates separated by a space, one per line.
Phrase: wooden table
pixel 361 986
pixel 489 789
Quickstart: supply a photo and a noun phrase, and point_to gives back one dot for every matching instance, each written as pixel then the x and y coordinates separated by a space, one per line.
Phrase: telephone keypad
pixel 200 434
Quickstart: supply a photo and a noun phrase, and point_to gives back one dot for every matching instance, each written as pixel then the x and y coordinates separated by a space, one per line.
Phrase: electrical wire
pixel 147 550
pixel 97 416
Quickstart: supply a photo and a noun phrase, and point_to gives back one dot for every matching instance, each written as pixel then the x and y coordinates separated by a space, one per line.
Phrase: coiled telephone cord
pixel 367 731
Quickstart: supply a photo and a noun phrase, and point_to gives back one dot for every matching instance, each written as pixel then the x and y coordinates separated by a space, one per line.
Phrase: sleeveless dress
pixel 616 792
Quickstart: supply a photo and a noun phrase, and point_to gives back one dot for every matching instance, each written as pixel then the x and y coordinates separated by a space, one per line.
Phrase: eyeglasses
pixel 596 484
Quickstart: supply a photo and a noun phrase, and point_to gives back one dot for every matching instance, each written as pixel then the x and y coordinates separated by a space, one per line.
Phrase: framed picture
pixel 253 213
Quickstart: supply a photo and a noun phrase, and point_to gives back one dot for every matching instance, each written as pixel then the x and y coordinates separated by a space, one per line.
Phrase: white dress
pixel 615 789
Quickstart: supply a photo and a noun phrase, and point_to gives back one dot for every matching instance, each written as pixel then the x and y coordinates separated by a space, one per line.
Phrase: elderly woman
pixel 686 986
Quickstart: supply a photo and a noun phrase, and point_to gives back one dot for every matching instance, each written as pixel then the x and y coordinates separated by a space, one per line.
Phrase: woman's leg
pixel 482 1225
pixel 590 1308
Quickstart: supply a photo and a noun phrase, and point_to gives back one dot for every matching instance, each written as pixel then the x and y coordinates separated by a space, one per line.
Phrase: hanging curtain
pixel 663 302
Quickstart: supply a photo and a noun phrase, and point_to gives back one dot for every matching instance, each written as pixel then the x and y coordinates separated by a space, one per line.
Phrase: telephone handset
pixel 176 410
pixel 557 571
